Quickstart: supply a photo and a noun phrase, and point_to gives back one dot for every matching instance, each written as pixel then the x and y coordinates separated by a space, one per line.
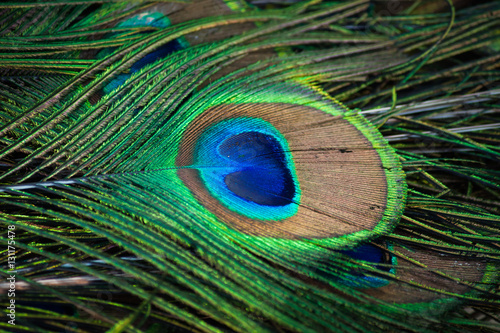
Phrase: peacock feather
pixel 261 166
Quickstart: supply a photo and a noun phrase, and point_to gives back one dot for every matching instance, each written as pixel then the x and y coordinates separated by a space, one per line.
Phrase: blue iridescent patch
pixel 154 19
pixel 264 177
pixel 246 164
pixel 377 258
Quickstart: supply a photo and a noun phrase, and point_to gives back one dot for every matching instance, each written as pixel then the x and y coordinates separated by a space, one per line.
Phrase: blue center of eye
pixel 162 52
pixel 358 278
pixel 153 19
pixel 371 254
pixel 245 164
pixel 264 177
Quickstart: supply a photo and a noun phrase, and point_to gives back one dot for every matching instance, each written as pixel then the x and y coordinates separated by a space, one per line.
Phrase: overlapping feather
pixel 108 238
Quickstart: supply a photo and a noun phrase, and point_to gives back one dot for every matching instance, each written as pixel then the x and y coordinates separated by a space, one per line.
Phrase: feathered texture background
pixel 112 200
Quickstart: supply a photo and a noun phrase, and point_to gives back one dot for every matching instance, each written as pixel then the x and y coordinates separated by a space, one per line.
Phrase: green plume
pixel 261 166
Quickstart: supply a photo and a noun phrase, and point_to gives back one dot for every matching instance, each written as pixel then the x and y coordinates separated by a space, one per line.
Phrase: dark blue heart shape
pixel 264 177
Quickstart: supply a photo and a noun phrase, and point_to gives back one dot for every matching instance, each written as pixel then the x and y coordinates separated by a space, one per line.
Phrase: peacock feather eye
pixel 288 171
pixel 184 166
